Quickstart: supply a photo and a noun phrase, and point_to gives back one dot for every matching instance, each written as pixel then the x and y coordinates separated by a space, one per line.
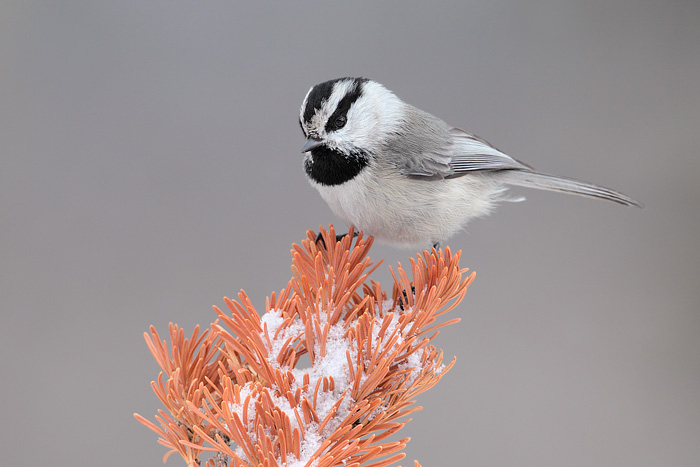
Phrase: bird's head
pixel 349 116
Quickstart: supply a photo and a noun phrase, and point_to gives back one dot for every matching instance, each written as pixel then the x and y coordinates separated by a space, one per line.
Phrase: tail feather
pixel 565 185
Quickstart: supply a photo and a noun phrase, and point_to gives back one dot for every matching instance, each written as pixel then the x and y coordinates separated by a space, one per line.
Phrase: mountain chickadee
pixel 402 174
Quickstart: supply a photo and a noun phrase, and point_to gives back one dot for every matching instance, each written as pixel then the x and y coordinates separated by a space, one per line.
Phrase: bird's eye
pixel 339 122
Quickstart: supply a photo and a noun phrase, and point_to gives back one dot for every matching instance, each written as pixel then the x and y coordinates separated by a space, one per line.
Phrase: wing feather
pixel 469 153
pixel 434 152
pixel 460 153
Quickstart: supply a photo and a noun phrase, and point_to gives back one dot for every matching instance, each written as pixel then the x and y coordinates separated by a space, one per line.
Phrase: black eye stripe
pixel 339 122
pixel 346 102
pixel 323 91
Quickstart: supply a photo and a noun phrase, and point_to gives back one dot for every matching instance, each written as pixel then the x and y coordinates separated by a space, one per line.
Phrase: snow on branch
pixel 242 390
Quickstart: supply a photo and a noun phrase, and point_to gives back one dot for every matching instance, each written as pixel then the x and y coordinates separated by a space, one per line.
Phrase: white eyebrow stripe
pixel 303 105
pixel 340 89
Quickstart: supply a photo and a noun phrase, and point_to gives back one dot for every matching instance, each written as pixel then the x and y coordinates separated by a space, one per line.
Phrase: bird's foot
pixel 319 238
pixel 401 300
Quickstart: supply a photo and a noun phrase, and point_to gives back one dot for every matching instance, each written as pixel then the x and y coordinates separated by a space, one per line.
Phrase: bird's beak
pixel 310 144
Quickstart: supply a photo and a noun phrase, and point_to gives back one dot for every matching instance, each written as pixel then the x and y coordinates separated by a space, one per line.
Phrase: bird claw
pixel 319 238
pixel 401 302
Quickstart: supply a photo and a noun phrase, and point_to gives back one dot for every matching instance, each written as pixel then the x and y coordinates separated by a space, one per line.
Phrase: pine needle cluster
pixel 324 377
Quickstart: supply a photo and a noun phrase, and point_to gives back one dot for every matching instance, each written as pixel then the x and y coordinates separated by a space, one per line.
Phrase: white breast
pixel 409 212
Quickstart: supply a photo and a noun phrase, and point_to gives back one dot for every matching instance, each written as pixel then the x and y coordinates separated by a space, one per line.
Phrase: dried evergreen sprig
pixel 241 382
pixel 191 366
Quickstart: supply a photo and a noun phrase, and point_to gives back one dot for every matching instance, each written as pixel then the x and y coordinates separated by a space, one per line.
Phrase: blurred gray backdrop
pixel 150 165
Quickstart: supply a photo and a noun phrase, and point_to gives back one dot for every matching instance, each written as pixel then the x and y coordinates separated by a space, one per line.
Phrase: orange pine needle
pixel 239 381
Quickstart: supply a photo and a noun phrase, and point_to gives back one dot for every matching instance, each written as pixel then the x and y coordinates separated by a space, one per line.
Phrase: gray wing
pixel 462 153
pixel 466 153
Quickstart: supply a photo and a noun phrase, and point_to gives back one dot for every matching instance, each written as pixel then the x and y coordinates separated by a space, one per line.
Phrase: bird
pixel 403 175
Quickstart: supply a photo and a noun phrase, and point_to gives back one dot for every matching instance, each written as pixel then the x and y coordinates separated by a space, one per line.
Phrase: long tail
pixel 565 185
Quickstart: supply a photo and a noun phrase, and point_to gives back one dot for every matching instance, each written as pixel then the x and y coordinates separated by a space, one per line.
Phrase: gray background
pixel 150 165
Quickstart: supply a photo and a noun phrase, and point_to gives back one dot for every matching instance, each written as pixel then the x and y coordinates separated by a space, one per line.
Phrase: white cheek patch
pixel 371 118
pixel 375 115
